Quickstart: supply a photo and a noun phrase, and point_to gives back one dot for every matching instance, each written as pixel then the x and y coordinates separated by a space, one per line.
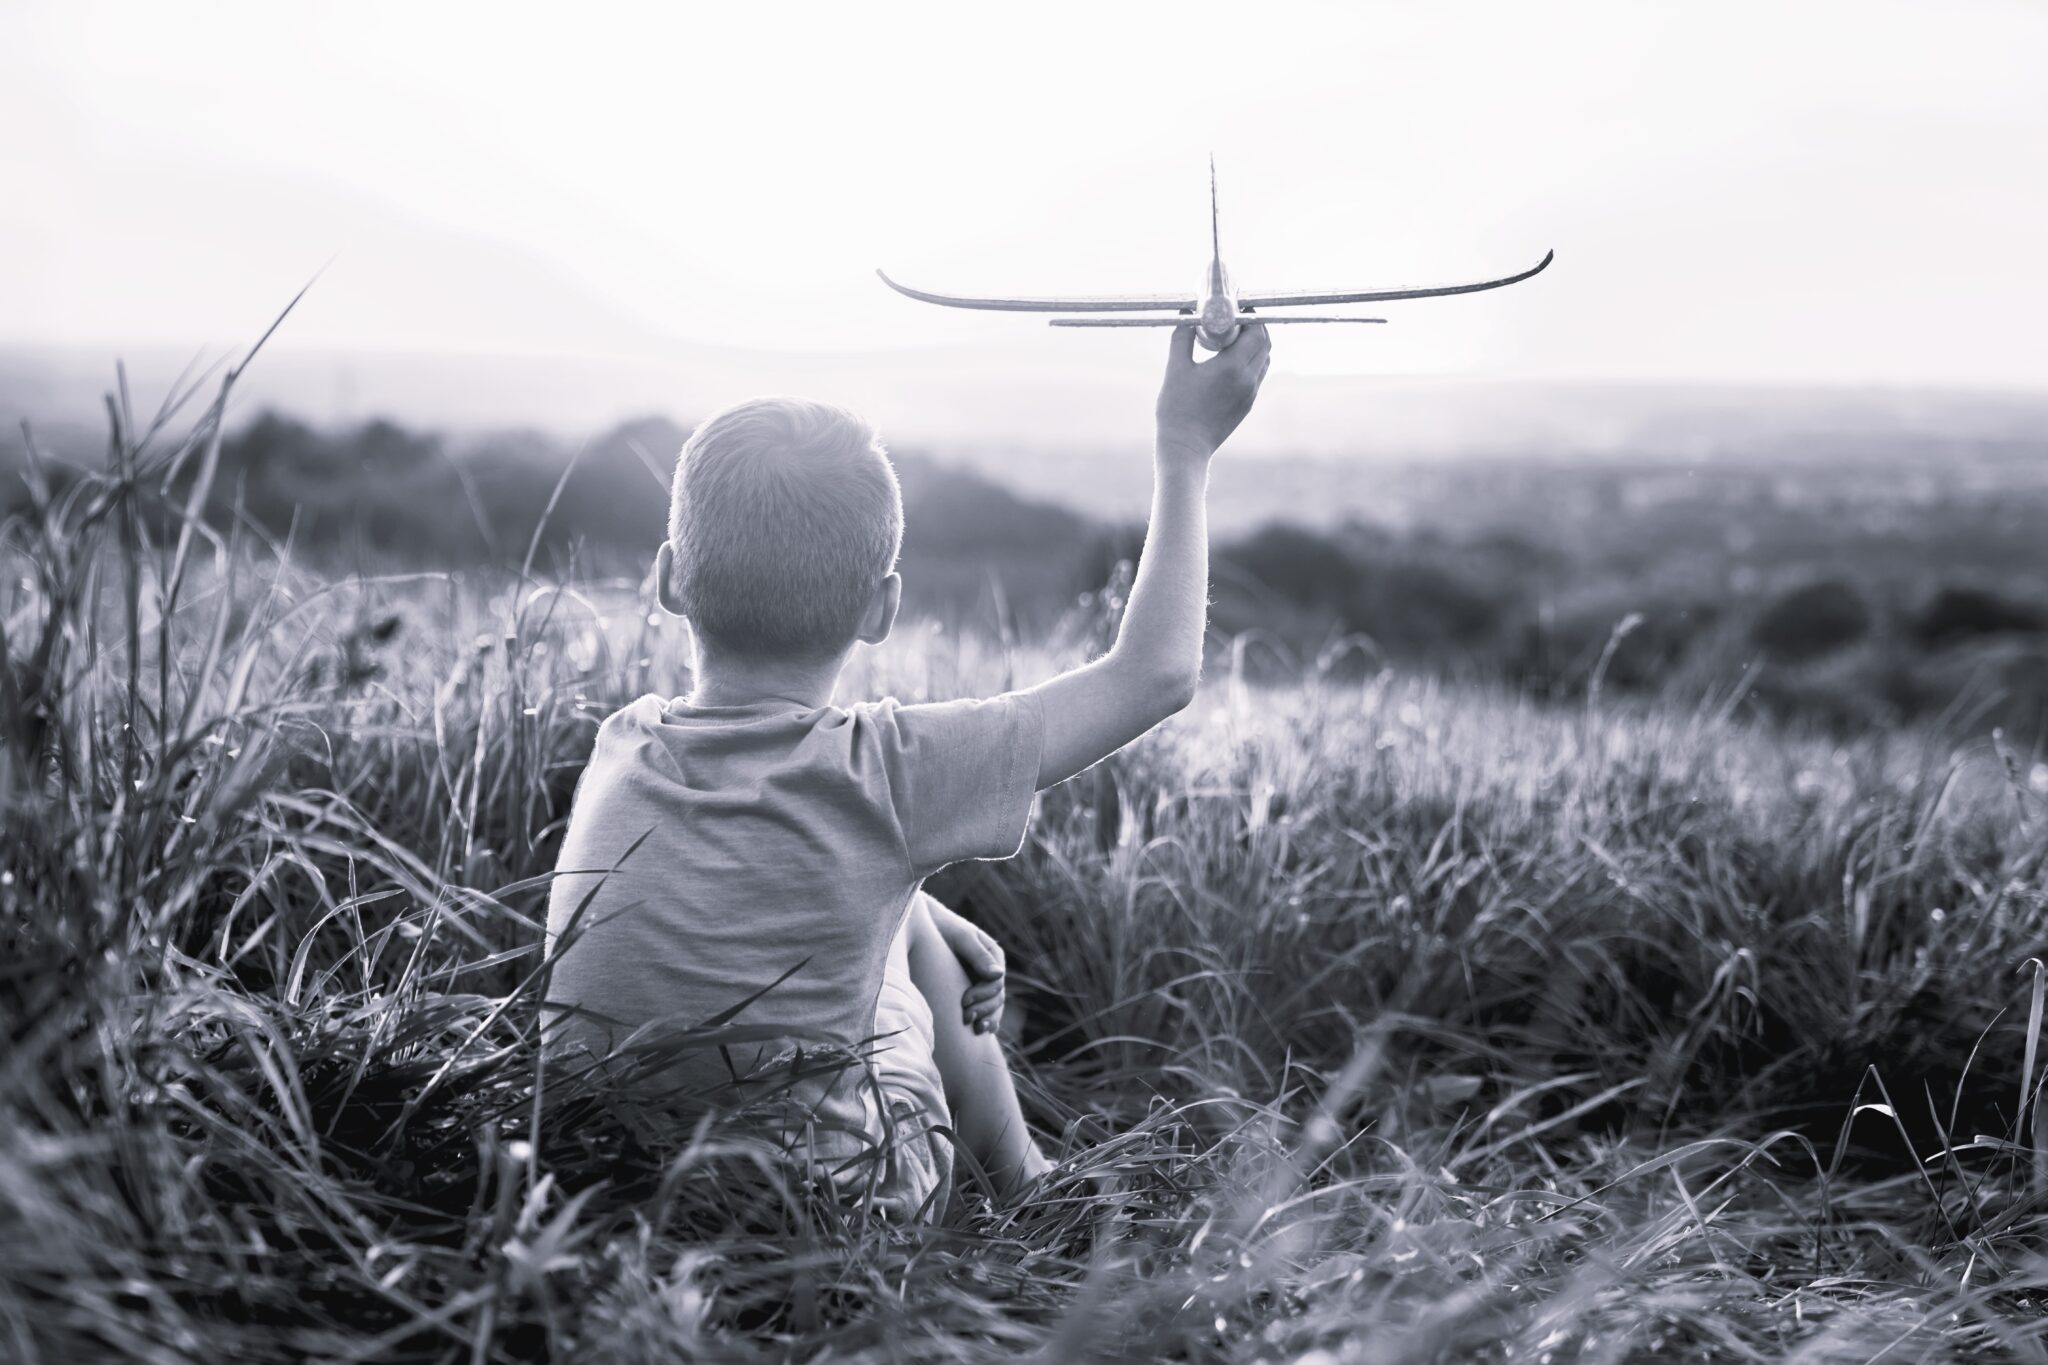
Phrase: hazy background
pixel 1778 413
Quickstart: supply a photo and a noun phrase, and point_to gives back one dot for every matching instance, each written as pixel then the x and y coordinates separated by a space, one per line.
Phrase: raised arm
pixel 1151 670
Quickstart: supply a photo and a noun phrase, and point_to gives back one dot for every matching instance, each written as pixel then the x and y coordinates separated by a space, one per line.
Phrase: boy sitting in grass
pixel 754 846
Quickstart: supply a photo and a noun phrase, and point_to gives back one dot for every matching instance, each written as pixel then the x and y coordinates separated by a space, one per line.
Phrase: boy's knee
pixel 921 932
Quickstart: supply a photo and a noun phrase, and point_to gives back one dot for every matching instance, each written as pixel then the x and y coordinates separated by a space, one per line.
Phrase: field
pixel 1375 1017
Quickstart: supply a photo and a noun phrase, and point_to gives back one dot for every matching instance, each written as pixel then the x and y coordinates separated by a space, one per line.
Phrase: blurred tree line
pixel 1820 607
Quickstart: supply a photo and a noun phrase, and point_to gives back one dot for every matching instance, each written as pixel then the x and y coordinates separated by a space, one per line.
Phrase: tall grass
pixel 1374 1022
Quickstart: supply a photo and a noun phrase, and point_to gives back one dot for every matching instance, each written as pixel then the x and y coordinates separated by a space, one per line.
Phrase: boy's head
pixel 783 528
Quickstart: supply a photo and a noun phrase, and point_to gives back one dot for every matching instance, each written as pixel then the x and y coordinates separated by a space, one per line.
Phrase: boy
pixel 754 846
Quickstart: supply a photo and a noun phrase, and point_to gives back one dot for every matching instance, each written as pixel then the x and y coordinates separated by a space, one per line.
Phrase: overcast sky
pixel 1783 192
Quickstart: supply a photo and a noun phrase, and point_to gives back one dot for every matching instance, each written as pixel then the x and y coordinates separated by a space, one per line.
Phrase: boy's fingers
pixel 980 995
pixel 977 953
pixel 1180 347
pixel 991 963
pixel 1257 340
pixel 1238 356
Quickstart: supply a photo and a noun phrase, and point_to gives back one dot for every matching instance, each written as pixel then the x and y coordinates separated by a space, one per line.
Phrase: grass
pixel 1414 1022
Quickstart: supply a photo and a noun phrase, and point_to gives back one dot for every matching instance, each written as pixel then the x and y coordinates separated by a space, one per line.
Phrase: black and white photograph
pixel 1296 684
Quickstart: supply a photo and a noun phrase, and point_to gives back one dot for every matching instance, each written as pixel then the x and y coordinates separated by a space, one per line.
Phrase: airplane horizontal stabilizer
pixel 1242 320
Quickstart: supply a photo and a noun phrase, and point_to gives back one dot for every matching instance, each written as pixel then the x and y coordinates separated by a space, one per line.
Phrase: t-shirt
pixel 727 852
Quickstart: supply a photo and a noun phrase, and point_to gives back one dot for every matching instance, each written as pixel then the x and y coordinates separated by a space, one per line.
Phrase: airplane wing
pixel 1242 319
pixel 1124 303
pixel 1384 295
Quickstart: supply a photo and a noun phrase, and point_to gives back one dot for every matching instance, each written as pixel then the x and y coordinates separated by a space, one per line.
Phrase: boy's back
pixel 728 850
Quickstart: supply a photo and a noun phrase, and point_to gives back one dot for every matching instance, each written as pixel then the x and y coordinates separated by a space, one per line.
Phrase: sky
pixel 1785 193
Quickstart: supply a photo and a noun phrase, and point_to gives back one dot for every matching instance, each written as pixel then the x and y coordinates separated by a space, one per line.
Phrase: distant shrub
pixel 618 492
pixel 1811 622
pixel 1965 612
pixel 376 486
pixel 1411 596
pixel 974 550
pixel 1563 652
pixel 1415 607
pixel 1979 685
pixel 1300 565
pixel 2023 697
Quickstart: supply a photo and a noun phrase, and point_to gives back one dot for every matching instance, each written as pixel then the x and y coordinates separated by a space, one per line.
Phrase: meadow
pixel 1375 1017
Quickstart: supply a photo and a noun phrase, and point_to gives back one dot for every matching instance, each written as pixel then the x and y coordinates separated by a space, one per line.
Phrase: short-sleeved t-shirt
pixel 778 849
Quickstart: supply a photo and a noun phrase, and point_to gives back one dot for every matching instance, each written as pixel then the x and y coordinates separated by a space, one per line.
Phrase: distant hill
pixel 1054 428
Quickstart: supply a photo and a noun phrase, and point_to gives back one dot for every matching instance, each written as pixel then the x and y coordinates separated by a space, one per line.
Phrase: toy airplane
pixel 1217 313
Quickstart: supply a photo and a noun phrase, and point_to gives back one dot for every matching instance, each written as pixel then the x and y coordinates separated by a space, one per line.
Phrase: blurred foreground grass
pixel 1413 1023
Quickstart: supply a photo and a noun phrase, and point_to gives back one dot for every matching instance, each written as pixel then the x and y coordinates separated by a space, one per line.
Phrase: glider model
pixel 1216 311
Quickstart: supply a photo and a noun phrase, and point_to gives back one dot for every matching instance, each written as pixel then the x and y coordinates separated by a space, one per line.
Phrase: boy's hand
pixel 1200 405
pixel 981 957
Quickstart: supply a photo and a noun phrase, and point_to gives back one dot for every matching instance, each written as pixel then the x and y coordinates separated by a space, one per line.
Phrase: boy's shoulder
pixel 626 739
pixel 642 712
pixel 637 718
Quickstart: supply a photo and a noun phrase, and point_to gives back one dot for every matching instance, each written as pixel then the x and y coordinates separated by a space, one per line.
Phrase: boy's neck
pixel 734 680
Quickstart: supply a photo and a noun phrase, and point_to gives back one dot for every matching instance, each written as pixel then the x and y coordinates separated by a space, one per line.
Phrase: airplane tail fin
pixel 1215 237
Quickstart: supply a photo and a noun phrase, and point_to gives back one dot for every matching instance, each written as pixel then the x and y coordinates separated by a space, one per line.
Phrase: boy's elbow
pixel 1154 690
pixel 1172 691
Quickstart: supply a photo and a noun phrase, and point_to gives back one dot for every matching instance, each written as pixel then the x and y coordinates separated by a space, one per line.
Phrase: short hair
pixel 784 516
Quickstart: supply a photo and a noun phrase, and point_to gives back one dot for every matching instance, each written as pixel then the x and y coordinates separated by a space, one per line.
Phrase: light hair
pixel 785 516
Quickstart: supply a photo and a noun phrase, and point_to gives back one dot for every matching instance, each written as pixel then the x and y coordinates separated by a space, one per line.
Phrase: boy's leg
pixel 979 1089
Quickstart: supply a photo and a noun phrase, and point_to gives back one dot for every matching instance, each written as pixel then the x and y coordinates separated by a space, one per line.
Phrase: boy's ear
pixel 882 609
pixel 665 578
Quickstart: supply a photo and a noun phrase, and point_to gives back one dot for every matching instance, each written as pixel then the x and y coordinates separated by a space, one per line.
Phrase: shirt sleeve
pixel 962 775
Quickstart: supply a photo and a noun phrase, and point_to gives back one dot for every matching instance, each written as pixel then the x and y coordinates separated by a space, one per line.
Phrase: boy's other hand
pixel 981 957
pixel 1201 404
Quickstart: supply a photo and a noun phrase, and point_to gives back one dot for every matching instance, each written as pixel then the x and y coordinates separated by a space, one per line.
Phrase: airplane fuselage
pixel 1218 326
